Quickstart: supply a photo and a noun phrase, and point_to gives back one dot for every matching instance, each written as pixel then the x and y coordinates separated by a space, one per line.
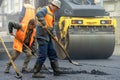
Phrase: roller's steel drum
pixel 91 46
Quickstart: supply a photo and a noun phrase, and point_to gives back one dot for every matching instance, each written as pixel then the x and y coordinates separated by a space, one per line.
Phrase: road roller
pixel 85 29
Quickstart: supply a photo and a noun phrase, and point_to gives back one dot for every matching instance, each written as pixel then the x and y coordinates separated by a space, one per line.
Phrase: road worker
pixel 46 18
pixel 25 34
pixel 27 13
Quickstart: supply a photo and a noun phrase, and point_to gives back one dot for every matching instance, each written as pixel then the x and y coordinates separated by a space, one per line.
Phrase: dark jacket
pixel 40 32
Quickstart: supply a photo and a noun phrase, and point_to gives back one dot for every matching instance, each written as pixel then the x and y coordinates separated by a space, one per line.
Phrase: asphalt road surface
pixel 108 69
pixel 90 70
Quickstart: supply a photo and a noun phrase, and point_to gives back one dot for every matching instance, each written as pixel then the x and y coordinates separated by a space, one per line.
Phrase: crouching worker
pixel 25 34
pixel 45 18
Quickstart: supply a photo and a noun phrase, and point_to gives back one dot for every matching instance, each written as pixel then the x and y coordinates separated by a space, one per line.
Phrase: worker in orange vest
pixel 27 13
pixel 25 34
pixel 45 17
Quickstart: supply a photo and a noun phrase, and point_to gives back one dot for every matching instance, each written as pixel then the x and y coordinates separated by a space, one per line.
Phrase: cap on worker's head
pixel 56 3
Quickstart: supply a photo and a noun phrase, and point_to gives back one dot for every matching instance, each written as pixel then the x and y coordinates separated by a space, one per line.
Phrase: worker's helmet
pixel 56 3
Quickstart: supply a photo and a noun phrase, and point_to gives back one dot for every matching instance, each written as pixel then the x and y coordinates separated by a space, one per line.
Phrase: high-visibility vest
pixel 20 37
pixel 29 14
pixel 49 17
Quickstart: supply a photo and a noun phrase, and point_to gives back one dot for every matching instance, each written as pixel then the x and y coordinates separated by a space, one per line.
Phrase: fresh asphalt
pixel 90 70
pixel 97 69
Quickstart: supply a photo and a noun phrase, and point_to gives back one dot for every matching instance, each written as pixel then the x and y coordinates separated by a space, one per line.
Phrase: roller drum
pixel 91 46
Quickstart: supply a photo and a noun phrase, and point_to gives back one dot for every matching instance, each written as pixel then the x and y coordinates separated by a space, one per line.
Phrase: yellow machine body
pixel 88 37
pixel 86 22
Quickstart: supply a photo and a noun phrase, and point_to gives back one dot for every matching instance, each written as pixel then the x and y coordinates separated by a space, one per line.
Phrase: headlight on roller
pixel 77 22
pixel 105 22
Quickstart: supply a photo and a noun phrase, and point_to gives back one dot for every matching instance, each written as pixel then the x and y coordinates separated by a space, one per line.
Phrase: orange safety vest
pixel 29 14
pixel 21 34
pixel 49 18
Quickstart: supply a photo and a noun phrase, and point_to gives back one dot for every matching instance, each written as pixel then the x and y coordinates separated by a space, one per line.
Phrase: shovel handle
pixel 12 62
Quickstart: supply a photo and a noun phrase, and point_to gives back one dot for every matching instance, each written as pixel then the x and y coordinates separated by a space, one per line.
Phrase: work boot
pixel 7 68
pixel 36 73
pixel 43 68
pixel 25 70
pixel 55 67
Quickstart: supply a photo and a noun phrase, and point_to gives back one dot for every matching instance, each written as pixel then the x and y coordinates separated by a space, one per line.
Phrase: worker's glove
pixel 56 38
pixel 25 50
pixel 34 51
pixel 44 27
